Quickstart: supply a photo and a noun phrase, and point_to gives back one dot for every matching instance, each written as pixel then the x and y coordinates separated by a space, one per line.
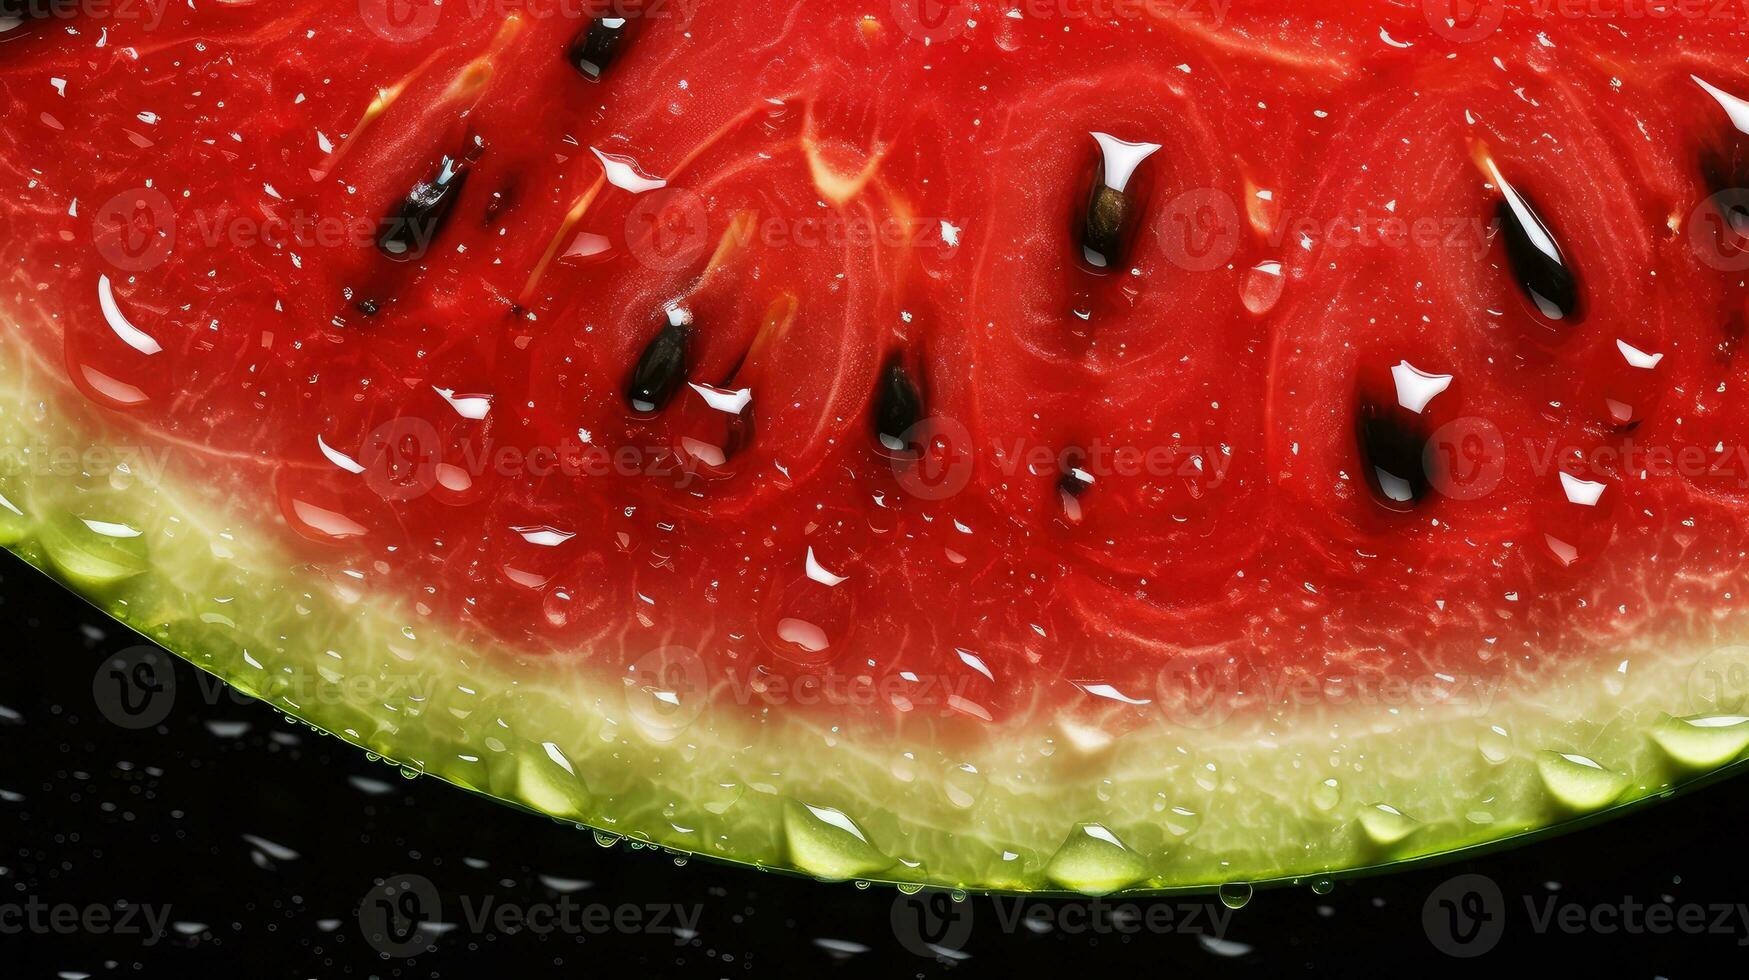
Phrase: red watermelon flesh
pixel 977 444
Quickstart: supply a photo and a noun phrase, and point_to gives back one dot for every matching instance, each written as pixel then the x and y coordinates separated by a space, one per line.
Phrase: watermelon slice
pixel 966 444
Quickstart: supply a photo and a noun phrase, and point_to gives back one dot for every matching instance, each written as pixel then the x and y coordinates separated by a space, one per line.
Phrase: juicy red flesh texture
pixel 1325 404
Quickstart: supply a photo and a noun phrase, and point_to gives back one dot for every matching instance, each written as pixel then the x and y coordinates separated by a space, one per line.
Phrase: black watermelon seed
pixel 499 202
pixel 1393 453
pixel 597 45
pixel 1105 225
pixel 662 367
pixel 415 223
pixel 1074 481
pixel 898 407
pixel 1541 269
pixel 368 307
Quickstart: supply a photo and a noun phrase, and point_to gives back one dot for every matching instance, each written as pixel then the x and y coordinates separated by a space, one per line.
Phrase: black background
pixel 263 838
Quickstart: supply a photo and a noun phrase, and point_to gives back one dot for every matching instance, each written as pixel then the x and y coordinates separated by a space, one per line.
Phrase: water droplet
pixel 1578 781
pixel 1262 287
pixel 1093 861
pixel 1386 825
pixel 1235 895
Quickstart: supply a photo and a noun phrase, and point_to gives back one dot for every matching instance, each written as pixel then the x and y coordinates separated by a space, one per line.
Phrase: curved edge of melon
pixel 1042 807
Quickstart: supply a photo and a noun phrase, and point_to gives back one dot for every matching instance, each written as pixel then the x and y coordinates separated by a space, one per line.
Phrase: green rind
pixel 1298 793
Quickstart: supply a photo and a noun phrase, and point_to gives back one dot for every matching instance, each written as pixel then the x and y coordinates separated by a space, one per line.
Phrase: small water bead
pixel 720 797
pixel 1495 744
pixel 1181 822
pixel 1386 825
pixel 963 785
pixel 605 839
pixel 1327 796
pixel 1262 287
pixel 1323 886
pixel 1094 861
pixel 1579 781
pixel 1235 895
pixel 1703 741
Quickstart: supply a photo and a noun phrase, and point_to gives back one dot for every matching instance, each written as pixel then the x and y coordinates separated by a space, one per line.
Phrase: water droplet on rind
pixel 1235 895
pixel 1385 825
pixel 1577 781
pixel 1093 861
pixel 1702 741
pixel 545 780
pixel 88 557
pixel 827 844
